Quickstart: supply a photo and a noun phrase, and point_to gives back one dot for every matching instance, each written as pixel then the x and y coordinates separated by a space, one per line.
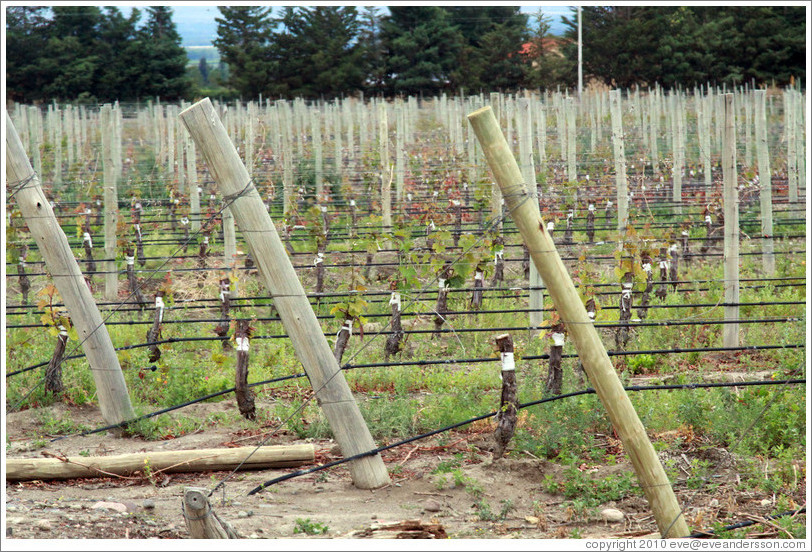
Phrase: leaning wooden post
pixel 53 245
pixel 201 519
pixel 297 316
pixel 650 472
pixel 731 191
pixel 765 184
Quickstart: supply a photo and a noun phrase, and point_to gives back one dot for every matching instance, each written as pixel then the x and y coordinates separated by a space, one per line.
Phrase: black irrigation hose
pixel 588 391
pixel 507 290
pixel 748 523
pixel 594 259
pixel 453 361
pixel 409 314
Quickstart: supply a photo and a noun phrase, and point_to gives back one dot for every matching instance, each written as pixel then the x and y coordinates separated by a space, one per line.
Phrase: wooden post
pixel 654 126
pixel 400 153
pixel 297 316
pixel 679 152
pixel 201 519
pixel 572 171
pixel 229 238
pixel 704 130
pixel 524 123
pixel 110 204
pixel 800 148
pixel 53 245
pixel 765 183
pixel 731 191
pixel 57 119
pixel 496 194
pixel 620 162
pixel 194 190
pixel 650 472
pixel 386 180
pixel 318 158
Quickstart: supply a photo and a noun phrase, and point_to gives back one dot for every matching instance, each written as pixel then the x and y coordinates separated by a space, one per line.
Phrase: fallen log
pixel 61 467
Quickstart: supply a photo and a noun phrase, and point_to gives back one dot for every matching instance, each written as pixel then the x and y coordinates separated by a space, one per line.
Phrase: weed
pixel 304 525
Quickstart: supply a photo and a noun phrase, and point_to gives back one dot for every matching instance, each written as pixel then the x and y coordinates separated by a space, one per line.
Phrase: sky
pixel 196 25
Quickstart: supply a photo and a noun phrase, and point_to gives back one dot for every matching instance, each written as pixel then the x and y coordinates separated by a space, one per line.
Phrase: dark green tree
pixel 423 47
pixel 317 52
pixel 549 68
pixel 204 70
pixel 243 34
pixel 373 53
pixel 26 38
pixel 493 39
pixel 120 52
pixel 163 69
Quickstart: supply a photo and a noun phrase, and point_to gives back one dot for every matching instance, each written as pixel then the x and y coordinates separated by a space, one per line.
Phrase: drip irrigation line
pixel 510 291
pixel 454 361
pixel 742 524
pixel 588 391
pixel 406 314
pixel 594 259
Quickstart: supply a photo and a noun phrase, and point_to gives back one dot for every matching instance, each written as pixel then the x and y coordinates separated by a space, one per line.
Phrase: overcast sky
pixel 197 26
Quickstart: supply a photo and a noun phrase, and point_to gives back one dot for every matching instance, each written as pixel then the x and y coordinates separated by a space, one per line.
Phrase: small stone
pixel 43 525
pixel 117 506
pixel 242 514
pixel 432 505
pixel 612 515
pixel 253 536
pixel 75 506
pixel 12 508
pixel 714 503
pixel 532 520
pixel 148 504
pixel 766 502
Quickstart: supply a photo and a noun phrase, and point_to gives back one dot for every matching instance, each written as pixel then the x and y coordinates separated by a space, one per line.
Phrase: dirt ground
pixel 137 508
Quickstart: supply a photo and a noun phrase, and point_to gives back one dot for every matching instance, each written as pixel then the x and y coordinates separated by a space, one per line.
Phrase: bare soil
pixel 88 508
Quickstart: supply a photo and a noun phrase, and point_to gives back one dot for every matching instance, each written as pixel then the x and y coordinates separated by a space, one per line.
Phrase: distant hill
pixel 196 52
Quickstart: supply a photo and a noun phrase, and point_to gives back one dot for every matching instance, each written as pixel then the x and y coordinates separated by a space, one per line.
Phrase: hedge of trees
pixel 97 54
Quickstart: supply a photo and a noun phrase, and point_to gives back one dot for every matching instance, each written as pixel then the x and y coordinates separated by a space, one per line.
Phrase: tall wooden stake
pixel 765 183
pixel 620 162
pixel 650 472
pixel 297 316
pixel 24 183
pixel 110 203
pixel 731 331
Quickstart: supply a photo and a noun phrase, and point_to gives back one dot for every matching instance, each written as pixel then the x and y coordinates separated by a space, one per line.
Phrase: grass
pixel 765 426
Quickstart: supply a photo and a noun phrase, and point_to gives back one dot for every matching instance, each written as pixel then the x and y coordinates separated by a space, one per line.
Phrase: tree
pixel 119 50
pixel 317 52
pixel 26 34
pixel 163 70
pixel 242 40
pixel 549 67
pixel 493 39
pixel 204 70
pixel 373 54
pixel 423 46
